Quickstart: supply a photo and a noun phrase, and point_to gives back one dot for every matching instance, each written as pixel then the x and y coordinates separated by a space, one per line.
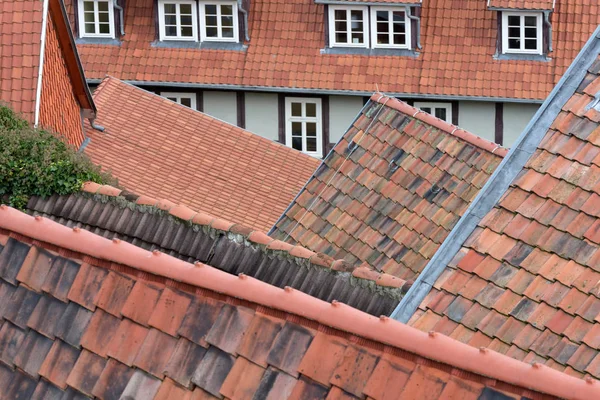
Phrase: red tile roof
pixel 391 190
pixel 157 147
pixel 523 4
pixel 526 281
pixel 206 333
pixel 458 38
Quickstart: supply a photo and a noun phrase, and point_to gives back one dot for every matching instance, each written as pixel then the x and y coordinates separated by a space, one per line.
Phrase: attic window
pixel 96 18
pixel 348 26
pixel 185 99
pixel 178 20
pixel 522 32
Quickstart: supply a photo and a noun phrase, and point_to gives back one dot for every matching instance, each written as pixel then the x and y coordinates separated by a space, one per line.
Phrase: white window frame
pixel 289 119
pixel 366 39
pixel 522 15
pixel 180 95
pixel 373 33
pixel 111 20
pixel 447 106
pixel 220 38
pixel 161 20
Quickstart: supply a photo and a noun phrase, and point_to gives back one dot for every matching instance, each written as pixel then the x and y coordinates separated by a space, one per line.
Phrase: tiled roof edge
pixel 501 179
pixel 433 346
pixel 255 236
pixel 440 124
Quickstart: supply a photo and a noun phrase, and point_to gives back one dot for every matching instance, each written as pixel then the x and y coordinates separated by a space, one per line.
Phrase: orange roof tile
pixel 392 360
pixel 528 275
pixel 458 39
pixel 157 147
pixel 391 190
pixel 523 4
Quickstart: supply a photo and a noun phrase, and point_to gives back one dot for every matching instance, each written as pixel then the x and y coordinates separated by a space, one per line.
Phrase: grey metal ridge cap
pixel 281 89
pixel 500 180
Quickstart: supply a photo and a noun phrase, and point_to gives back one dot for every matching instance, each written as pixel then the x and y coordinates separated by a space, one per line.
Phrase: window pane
pixel 426 109
pixel 357 26
pixel 400 28
pixel 340 26
pixel 88 6
pixel 211 32
pixel 356 15
pixel 297 143
pixel 210 9
pixel 296 109
pixel 383 39
pixel 514 44
pixel 186 20
pixel 311 144
pixel 514 32
pixel 530 44
pixel 357 38
pixel 398 16
pixel 530 21
pixel 226 21
pixel 103 17
pixel 90 28
pixel 172 99
pixel 311 110
pixel 104 28
pixel 186 31
pixel 185 9
pixel 514 20
pixel 103 6
pixel 186 101
pixel 296 128
pixel 530 33
pixel 88 17
pixel 170 31
pixel 340 15
pixel 440 113
pixel 382 27
pixel 311 129
pixel 341 38
pixel 382 16
pixel 211 20
pixel 399 39
pixel 169 8
pixel 170 20
pixel 226 10
pixel 228 32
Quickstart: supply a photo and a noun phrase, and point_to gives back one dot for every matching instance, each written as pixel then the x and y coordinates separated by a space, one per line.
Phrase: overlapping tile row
pixel 157 147
pixel 190 236
pixel 526 282
pixel 73 330
pixel 523 4
pixel 390 192
pixel 459 40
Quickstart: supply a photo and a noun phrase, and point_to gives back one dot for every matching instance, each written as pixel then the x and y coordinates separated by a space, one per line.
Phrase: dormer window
pixel 390 28
pixel 178 20
pixel 347 26
pixel 219 21
pixel 522 32
pixel 96 19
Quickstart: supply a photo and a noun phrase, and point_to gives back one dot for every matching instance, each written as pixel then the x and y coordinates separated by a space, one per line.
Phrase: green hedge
pixel 34 162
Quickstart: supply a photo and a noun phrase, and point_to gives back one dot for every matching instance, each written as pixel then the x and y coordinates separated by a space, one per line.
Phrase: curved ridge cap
pixel 434 346
pixel 429 119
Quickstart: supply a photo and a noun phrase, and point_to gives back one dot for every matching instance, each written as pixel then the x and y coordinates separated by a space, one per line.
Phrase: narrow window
pixel 178 20
pixel 390 28
pixel 185 99
pixel 442 111
pixel 303 125
pixel 348 26
pixel 219 21
pixel 96 18
pixel 522 32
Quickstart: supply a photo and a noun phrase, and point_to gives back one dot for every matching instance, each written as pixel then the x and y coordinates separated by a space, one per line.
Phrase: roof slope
pixel 162 149
pixel 287 39
pixel 526 281
pixel 147 326
pixel 523 4
pixel 231 247
pixel 391 190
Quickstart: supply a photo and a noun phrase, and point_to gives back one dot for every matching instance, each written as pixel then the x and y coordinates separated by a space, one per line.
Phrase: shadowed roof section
pixel 231 247
pixel 89 316
pixel 526 281
pixel 391 190
pixel 165 150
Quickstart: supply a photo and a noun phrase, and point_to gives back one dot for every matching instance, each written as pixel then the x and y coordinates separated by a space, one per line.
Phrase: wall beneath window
pixel 261 114
pixel 478 118
pixel 222 105
pixel 516 118
pixel 342 111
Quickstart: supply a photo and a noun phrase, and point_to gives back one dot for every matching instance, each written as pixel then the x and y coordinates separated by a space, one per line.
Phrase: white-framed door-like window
pixel 96 18
pixel 522 32
pixel 219 21
pixel 303 128
pixel 442 111
pixel 390 28
pixel 178 20
pixel 348 26
pixel 185 99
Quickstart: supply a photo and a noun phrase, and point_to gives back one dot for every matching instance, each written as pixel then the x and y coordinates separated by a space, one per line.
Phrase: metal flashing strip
pixel 501 179
pixel 279 89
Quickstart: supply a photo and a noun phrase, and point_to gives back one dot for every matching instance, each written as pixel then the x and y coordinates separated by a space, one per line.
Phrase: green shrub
pixel 34 162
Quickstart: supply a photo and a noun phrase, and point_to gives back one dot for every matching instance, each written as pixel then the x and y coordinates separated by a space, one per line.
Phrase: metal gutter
pixel 121 17
pixel 418 19
pixel 500 180
pixel 38 93
pixel 245 13
pixel 277 89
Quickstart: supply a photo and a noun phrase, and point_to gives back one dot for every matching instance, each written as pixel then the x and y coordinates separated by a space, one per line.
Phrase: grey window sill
pixel 369 52
pixel 176 44
pixel 103 41
pixel 522 57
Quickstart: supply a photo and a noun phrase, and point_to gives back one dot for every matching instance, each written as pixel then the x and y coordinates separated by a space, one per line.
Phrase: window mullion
pixel 219 27
pixel 96 17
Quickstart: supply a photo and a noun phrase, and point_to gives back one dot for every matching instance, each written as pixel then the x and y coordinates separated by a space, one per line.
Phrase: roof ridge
pixel 432 120
pixel 253 235
pixel 337 315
